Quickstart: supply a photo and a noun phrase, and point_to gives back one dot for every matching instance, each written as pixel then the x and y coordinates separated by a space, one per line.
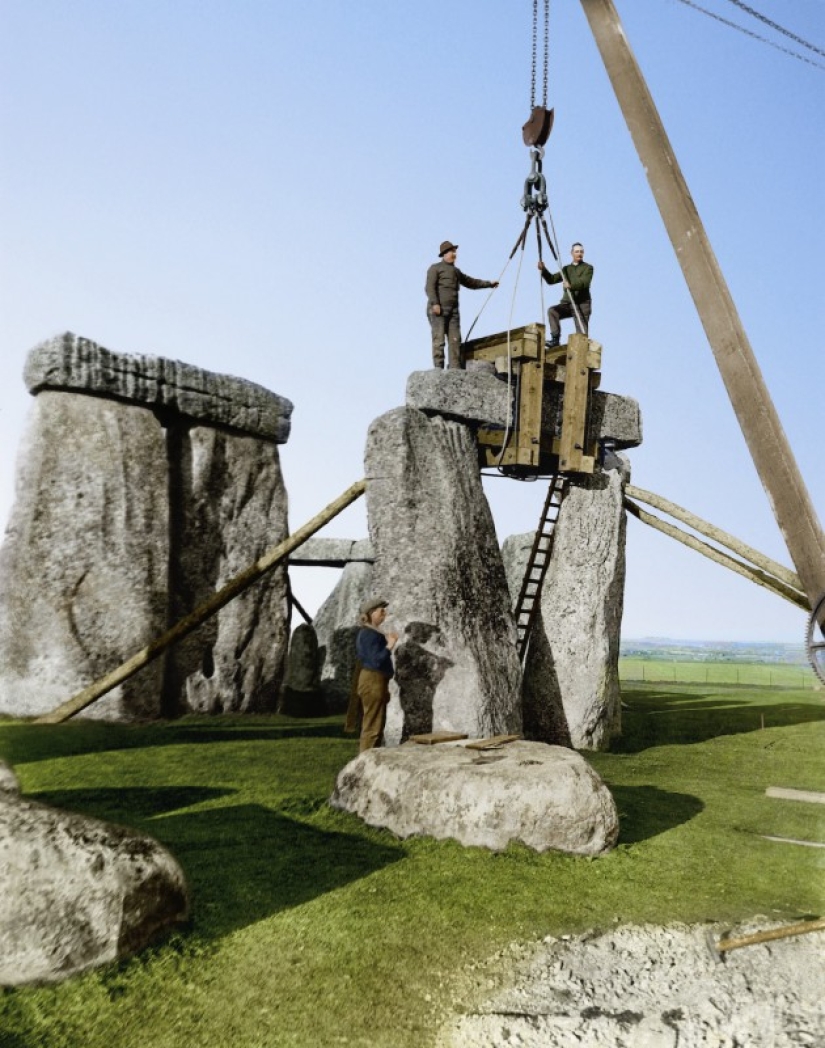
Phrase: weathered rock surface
pixel 129 514
pixel 541 796
pixel 439 565
pixel 8 780
pixel 645 987
pixel 336 624
pixel 615 418
pixel 231 509
pixel 571 680
pixel 78 892
pixel 471 396
pixel 333 552
pixel 68 362
pixel 83 569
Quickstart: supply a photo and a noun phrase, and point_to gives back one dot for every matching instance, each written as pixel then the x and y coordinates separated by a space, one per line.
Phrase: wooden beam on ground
pixel 206 610
pixel 783 794
pixel 745 570
pixel 432 738
pixel 492 743
pixel 710 531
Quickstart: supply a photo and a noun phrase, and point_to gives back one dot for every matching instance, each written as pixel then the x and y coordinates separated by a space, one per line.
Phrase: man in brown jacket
pixel 443 279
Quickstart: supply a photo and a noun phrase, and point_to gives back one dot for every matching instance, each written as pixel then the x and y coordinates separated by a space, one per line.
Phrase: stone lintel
pixel 73 364
pixel 332 553
pixel 478 397
pixel 467 396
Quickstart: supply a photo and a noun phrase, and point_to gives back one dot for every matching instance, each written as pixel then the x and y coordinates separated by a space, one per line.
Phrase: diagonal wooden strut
pixel 191 622
pixel 527 605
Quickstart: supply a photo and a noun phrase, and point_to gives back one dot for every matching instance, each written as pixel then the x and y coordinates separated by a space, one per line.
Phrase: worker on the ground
pixel 576 278
pixel 373 648
pixel 443 279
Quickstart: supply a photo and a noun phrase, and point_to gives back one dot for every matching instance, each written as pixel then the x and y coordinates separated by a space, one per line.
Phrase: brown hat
pixel 445 247
pixel 370 605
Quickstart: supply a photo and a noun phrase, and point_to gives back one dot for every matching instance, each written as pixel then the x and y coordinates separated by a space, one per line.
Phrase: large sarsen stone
pixel 68 362
pixel 438 564
pixel 541 796
pixel 77 892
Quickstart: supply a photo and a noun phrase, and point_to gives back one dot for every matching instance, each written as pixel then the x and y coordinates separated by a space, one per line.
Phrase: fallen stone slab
pixel 333 553
pixel 545 797
pixel 470 396
pixel 71 363
pixel 78 892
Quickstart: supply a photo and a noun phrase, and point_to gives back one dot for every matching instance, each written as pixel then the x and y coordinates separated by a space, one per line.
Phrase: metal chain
pixel 535 50
pixel 546 48
pixel 777 27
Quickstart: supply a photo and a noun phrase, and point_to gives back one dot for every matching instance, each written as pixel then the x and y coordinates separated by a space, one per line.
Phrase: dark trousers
pixel 563 311
pixel 446 325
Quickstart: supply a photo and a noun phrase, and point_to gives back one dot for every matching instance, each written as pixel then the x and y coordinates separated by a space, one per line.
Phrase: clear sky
pixel 258 186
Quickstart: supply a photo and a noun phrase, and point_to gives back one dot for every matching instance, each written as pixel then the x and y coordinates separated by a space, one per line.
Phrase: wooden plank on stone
pixel 524 343
pixel 432 738
pixel 574 407
pixel 784 794
pixel 492 742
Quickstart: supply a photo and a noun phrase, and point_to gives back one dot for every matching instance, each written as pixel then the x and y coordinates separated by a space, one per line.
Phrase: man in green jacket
pixel 576 279
pixel 443 279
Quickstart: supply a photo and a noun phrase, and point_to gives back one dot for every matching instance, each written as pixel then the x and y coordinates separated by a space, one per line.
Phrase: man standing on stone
pixel 373 648
pixel 576 279
pixel 443 279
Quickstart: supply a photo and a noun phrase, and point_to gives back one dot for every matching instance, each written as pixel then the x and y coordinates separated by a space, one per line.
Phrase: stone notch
pixel 71 363
pixel 478 397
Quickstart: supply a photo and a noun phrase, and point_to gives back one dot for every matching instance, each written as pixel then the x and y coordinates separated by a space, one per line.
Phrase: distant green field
pixel 755 674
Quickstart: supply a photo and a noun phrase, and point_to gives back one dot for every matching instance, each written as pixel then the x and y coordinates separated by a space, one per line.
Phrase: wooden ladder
pixel 527 605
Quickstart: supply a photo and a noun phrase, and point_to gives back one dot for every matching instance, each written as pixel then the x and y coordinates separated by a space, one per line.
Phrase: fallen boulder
pixel 78 892
pixel 545 797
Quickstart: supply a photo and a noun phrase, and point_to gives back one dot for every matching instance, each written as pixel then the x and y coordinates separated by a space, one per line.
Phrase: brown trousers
pixel 374 693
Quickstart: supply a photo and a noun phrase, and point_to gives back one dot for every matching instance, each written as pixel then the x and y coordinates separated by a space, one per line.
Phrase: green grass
pixel 310 929
pixel 755 674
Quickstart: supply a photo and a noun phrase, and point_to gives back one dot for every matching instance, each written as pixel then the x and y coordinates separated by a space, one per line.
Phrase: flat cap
pixel 371 604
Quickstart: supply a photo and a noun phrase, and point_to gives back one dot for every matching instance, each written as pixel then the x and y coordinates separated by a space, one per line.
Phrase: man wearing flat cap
pixel 443 279
pixel 373 648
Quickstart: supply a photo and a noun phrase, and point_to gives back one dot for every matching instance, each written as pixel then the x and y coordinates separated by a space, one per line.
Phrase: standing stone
pixel 571 675
pixel 78 892
pixel 144 485
pixel 83 569
pixel 229 507
pixel 336 624
pixel 439 566
pixel 301 694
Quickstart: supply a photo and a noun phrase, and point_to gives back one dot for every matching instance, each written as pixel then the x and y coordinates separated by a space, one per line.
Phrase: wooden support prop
pixel 432 738
pixel 745 570
pixel 710 531
pixel 770 936
pixel 196 618
pixel 492 743
pixel 746 388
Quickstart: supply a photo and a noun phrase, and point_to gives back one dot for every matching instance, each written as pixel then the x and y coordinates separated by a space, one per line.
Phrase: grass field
pixel 755 674
pixel 311 929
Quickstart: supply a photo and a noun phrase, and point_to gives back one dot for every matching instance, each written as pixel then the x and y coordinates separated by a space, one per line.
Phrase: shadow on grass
pixel 24 742
pixel 243 862
pixel 647 811
pixel 663 718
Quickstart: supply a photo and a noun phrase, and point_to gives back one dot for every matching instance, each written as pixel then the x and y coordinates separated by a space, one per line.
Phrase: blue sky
pixel 258 187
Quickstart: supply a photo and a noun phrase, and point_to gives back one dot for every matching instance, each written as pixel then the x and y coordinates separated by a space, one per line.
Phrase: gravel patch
pixel 650 987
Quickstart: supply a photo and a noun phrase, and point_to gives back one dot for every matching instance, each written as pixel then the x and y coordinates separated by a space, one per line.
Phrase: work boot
pixel 552 341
